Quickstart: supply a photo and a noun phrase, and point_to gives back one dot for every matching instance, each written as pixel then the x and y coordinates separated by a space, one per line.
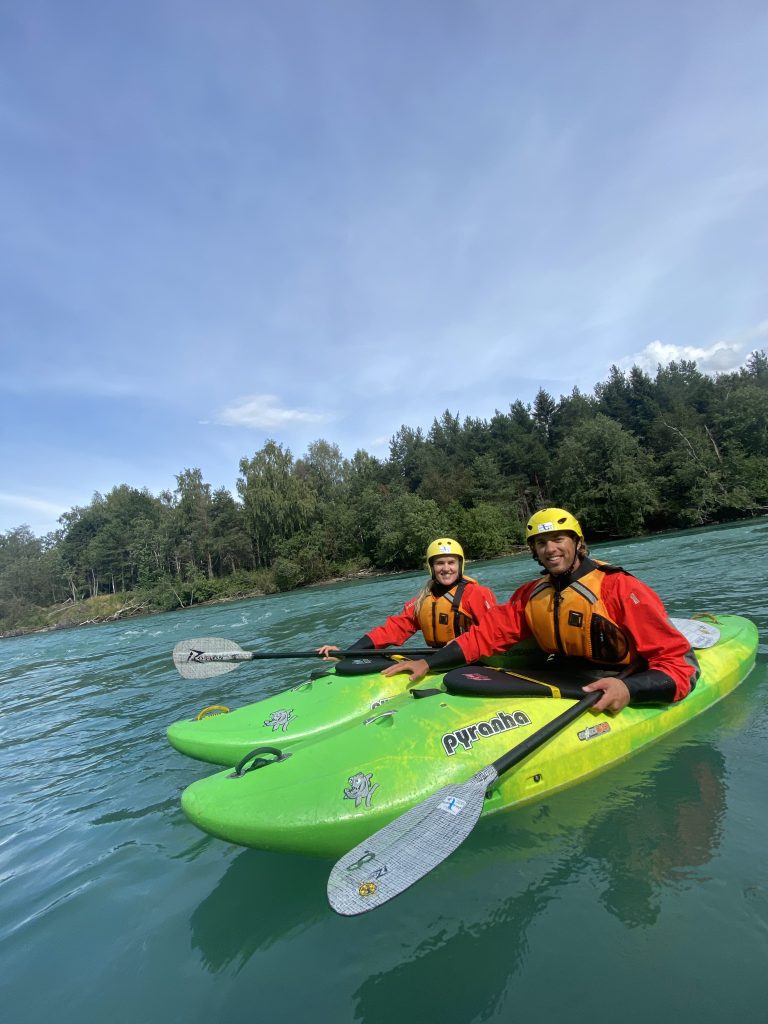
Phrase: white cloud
pixel 721 357
pixel 265 412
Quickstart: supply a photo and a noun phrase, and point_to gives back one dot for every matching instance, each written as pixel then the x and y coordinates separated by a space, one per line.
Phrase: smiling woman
pixel 447 605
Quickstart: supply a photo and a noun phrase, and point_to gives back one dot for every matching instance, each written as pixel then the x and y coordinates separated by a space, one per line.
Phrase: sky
pixel 302 219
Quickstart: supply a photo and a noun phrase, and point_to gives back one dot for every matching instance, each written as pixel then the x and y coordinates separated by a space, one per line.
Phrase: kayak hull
pixel 327 794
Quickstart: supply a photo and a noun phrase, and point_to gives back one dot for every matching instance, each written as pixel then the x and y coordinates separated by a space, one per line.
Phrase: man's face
pixel 556 551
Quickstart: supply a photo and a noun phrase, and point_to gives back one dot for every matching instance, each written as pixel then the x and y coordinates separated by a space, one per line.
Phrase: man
pixel 585 609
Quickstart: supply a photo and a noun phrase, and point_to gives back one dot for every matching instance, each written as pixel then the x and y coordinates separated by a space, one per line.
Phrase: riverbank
pixel 137 604
pixel 114 607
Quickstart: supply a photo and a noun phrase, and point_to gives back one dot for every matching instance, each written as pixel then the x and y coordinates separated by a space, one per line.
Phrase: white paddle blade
pixel 208 656
pixel 406 849
pixel 699 635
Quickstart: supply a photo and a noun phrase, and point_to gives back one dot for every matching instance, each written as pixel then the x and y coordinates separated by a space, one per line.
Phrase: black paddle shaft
pixel 270 655
pixel 540 737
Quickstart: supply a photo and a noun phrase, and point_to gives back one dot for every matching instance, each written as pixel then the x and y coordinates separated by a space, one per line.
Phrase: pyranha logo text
pixel 501 722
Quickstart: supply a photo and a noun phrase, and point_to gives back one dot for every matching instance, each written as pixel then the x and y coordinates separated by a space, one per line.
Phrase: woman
pixel 447 605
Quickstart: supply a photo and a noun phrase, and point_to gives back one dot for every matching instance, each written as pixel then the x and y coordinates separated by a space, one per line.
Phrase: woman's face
pixel 445 569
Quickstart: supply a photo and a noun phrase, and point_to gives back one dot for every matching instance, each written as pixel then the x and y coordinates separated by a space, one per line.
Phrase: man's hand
pixel 615 694
pixel 416 669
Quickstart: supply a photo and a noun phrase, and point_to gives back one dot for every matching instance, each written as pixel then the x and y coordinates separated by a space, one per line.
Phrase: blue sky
pixel 313 218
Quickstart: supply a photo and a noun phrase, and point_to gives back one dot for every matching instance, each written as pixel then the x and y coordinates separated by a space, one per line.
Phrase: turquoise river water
pixel 641 895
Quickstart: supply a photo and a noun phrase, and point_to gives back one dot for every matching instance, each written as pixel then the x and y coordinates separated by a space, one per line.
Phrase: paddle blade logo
pixel 368 887
pixel 203 657
pixel 453 805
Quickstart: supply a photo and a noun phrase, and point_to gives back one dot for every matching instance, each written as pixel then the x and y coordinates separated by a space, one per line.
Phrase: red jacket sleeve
pixel 397 628
pixel 639 610
pixel 501 626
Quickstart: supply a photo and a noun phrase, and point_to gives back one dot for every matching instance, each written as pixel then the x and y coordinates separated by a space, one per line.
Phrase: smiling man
pixel 585 609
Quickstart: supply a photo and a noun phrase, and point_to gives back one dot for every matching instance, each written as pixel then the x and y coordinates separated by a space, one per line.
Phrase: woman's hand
pixel 416 669
pixel 615 694
pixel 325 651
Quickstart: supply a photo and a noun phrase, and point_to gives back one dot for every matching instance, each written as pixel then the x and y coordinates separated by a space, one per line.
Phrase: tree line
pixel 640 454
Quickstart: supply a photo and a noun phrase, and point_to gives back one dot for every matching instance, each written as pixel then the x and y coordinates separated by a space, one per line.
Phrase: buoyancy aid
pixel 442 619
pixel 573 619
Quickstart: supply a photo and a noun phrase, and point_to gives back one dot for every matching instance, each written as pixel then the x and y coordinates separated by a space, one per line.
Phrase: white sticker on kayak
pixel 453 805
pixel 278 720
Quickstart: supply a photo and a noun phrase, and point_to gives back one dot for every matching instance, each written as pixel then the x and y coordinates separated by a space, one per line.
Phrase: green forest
pixel 641 454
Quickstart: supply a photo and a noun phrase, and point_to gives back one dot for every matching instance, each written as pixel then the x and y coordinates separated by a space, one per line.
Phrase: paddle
pixel 205 657
pixel 406 849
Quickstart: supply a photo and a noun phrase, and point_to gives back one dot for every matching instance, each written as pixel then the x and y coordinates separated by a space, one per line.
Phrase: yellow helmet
pixel 445 546
pixel 552 520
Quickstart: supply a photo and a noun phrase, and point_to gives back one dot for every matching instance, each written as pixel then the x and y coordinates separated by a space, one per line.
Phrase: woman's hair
pixel 422 595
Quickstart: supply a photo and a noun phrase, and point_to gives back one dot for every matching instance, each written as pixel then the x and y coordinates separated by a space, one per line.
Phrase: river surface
pixel 641 895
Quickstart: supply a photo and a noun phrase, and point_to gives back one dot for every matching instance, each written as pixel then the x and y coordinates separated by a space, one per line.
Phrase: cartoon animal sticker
pixel 360 789
pixel 279 719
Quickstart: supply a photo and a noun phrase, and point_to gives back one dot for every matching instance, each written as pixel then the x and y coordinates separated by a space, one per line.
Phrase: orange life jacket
pixel 442 619
pixel 574 621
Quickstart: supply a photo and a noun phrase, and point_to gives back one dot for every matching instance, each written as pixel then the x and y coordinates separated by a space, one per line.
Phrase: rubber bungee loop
pixel 258 762
pixel 211 710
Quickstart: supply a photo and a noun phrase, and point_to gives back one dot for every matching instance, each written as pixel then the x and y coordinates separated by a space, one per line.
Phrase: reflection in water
pixel 247 911
pixel 672 826
pixel 661 828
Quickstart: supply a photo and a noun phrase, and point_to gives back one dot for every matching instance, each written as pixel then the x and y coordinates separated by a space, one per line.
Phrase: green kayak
pixel 329 792
pixel 338 697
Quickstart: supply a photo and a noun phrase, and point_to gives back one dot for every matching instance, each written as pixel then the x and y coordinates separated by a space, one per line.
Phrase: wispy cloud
pixel 265 412
pixel 36 512
pixel 23 501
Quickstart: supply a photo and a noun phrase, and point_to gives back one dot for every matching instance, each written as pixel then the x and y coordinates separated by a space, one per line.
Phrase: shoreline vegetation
pixel 641 455
pixel 105 608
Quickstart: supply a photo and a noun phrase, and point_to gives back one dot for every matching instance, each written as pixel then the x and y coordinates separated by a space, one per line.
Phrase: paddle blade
pixel 699 635
pixel 406 849
pixel 188 657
